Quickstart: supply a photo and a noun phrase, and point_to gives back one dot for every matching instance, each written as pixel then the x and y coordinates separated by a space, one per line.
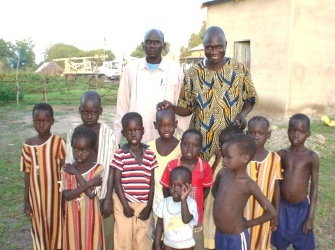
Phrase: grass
pixel 16 128
pixel 71 94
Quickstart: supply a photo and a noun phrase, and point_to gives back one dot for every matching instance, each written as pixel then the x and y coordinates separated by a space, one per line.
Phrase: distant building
pixel 288 46
pixel 50 68
pixel 197 54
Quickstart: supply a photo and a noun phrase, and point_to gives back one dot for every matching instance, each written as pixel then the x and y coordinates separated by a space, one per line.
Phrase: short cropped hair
pixel 165 113
pixel 90 95
pixel 131 116
pixel 44 106
pixel 259 118
pixel 244 143
pixel 183 172
pixel 301 117
pixel 231 129
pixel 191 131
pixel 87 133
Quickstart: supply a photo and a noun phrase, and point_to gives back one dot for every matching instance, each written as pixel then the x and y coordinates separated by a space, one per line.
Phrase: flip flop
pixel 327 121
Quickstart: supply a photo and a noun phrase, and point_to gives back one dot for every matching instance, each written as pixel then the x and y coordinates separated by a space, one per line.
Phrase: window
pixel 242 52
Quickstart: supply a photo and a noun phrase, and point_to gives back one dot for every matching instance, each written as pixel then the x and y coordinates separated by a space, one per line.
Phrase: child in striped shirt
pixel 41 159
pixel 133 165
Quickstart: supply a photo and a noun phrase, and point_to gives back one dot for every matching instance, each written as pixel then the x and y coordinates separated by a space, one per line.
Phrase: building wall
pixel 312 56
pixel 288 67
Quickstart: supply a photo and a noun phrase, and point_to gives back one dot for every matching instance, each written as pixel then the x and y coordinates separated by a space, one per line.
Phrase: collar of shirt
pixel 164 64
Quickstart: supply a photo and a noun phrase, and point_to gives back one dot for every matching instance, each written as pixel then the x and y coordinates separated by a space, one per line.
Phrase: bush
pixel 8 92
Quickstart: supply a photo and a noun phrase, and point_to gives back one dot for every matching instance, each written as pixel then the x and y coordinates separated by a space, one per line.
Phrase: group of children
pixel 162 195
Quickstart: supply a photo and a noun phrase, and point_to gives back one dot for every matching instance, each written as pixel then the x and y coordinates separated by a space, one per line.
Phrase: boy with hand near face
pixel 177 214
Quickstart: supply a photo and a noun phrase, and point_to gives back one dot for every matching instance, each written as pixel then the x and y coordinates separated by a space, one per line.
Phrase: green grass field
pixel 16 127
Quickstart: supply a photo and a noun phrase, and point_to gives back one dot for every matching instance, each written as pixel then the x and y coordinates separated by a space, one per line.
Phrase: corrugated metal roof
pixel 41 67
pixel 207 3
pixel 196 48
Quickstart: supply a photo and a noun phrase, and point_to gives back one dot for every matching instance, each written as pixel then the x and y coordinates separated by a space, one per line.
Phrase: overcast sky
pixel 84 24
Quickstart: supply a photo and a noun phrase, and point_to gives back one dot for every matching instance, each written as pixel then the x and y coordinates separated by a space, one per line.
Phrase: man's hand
pixel 164 105
pixel 240 121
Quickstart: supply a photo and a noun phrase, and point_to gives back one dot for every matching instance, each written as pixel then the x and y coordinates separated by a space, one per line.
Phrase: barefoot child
pixel 83 228
pixel 166 148
pixel 177 214
pixel 41 159
pixel 90 110
pixel 297 206
pixel 231 191
pixel 134 165
pixel 202 177
pixel 265 169
pixel 217 165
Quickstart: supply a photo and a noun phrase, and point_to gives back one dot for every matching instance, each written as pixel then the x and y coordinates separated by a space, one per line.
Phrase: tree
pixel 6 53
pixel 61 50
pixel 23 49
pixel 195 40
pixel 138 52
pixel 101 52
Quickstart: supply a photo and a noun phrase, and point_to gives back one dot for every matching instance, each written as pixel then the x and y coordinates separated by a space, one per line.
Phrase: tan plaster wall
pixel 312 55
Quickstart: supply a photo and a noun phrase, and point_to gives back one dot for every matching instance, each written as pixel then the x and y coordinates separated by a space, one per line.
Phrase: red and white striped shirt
pixel 135 177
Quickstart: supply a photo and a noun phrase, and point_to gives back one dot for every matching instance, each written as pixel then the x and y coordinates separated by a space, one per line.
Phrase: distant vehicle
pixel 110 69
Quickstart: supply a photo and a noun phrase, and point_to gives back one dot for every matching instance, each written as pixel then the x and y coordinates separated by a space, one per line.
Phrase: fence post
pixel 17 79
pixel 45 87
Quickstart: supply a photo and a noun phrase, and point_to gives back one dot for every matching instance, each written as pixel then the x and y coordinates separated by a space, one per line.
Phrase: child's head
pixel 228 131
pixel 165 123
pixel 132 127
pixel 298 129
pixel 191 143
pixel 179 176
pixel 90 108
pixel 237 151
pixel 83 143
pixel 43 118
pixel 259 130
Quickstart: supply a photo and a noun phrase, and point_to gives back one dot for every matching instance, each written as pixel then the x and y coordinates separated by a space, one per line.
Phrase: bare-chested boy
pixel 232 190
pixel 90 110
pixel 300 166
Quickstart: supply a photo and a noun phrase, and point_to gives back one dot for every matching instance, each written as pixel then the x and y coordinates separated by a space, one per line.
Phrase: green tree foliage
pixel 101 52
pixel 194 41
pixel 61 50
pixel 138 52
pixel 23 54
pixel 6 52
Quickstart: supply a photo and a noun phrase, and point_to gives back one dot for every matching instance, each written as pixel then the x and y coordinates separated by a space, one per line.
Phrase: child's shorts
pixel 291 220
pixel 232 241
